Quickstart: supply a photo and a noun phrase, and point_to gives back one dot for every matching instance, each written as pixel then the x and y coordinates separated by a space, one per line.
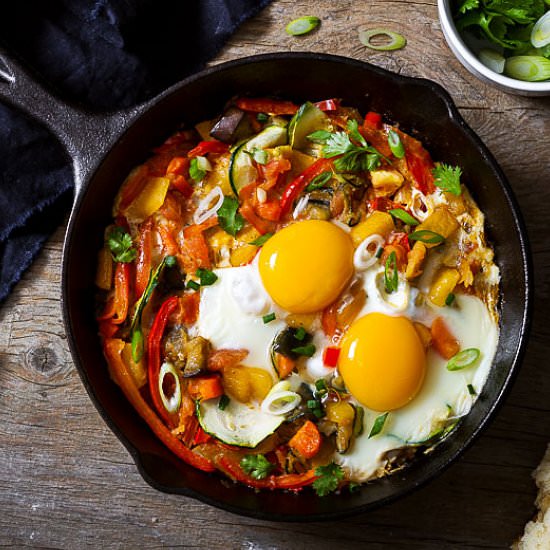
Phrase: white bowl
pixel 476 67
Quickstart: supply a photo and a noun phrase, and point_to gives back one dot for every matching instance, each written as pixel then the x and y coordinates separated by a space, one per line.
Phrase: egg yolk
pixel 306 265
pixel 382 361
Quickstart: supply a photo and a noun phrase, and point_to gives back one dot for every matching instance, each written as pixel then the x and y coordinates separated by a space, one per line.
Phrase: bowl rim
pixel 474 65
pixel 497 399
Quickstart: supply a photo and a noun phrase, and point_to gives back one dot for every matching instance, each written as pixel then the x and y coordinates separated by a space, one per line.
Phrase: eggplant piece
pixel 302 410
pixel 174 347
pixel 197 350
pixel 227 125
pixel 286 341
pixel 171 279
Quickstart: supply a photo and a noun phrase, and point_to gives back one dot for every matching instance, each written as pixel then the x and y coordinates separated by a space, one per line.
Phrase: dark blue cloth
pixel 106 55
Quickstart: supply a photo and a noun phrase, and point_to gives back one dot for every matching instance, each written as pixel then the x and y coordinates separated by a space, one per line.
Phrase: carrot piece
pixel 443 340
pixel 112 349
pixel 285 365
pixel 224 358
pixel 307 440
pixel 205 387
pixel 133 186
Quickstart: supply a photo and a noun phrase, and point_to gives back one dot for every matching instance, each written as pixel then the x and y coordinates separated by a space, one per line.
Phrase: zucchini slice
pixel 238 424
pixel 241 168
pixel 307 120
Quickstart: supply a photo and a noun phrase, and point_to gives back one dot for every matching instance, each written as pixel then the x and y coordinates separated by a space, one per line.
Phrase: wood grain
pixel 65 480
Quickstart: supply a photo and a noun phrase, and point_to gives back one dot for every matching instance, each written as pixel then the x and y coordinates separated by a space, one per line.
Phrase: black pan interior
pixel 421 107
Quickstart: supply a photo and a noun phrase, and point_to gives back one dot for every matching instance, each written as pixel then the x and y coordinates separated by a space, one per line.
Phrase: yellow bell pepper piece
pixel 149 200
pixel 260 382
pixel 443 284
pixel 219 176
pixel 415 258
pixel 340 412
pixel 386 182
pixel 380 223
pixel 243 254
pixel 440 221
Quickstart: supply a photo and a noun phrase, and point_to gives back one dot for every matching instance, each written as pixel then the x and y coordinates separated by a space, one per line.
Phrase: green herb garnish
pixel 308 350
pixel 300 334
pixel 256 466
pixel 319 181
pixel 391 276
pixel 351 157
pixel 447 178
pixel 404 216
pixel 223 402
pixel 262 117
pixel 353 487
pixel 396 145
pixel 328 479
pixel 121 245
pixel 268 318
pixel 378 425
pixel 206 276
pixel 228 216
pixel 426 236
pixel 302 25
pixel 463 359
pixel 321 385
pixel 471 390
pixel 196 169
pixel 379 252
pixel 450 299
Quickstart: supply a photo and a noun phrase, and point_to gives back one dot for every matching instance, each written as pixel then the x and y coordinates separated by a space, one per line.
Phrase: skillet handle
pixel 86 136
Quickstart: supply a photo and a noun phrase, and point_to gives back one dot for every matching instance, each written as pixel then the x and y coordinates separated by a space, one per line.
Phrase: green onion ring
pixel 397 41
pixel 302 25
pixel 463 359
pixel 391 281
pixel 531 68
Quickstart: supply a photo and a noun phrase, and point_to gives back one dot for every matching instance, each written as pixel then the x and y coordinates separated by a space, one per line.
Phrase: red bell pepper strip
pixel 298 184
pixel 232 468
pixel 112 349
pixel 420 166
pixel 117 307
pixel 201 437
pixel 211 146
pixel 178 166
pixel 182 185
pixel 269 210
pixel 328 104
pixel 153 355
pixel 383 204
pixel 374 120
pixel 266 105
pixel 330 356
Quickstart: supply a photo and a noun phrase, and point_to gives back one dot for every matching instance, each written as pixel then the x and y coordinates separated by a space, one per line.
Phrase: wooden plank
pixel 66 480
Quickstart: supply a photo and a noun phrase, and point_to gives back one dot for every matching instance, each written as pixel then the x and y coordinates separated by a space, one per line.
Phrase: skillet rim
pixel 524 246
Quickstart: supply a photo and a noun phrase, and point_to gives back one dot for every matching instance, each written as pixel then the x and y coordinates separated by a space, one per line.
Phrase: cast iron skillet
pixel 105 148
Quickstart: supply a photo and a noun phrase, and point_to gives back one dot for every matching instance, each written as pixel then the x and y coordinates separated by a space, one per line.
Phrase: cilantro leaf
pixel 337 144
pixel 353 130
pixel 228 216
pixel 468 5
pixel 206 277
pixel 329 477
pixel 120 243
pixel 447 178
pixel 257 466
pixel 319 135
pixel 378 425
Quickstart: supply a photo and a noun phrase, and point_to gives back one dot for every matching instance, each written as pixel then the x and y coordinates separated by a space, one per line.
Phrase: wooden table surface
pixel 65 480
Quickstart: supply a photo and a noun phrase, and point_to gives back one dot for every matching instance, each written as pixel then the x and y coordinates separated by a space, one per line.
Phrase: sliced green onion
pixel 471 390
pixel 137 344
pixel 268 318
pixel 492 60
pixel 307 350
pixel 262 117
pixel 450 299
pixel 378 425
pixel 353 487
pixel 426 236
pixel 404 216
pixel 193 285
pixel 261 240
pixel 172 403
pixel 463 359
pixel 223 402
pixel 280 402
pixel 206 276
pixel 396 146
pixel 300 334
pixel 259 155
pixel 312 404
pixel 321 385
pixel 540 34
pixel 391 279
pixel 396 40
pixel 302 25
pixel 379 252
pixel 532 68
pixel 198 168
pixel 319 181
